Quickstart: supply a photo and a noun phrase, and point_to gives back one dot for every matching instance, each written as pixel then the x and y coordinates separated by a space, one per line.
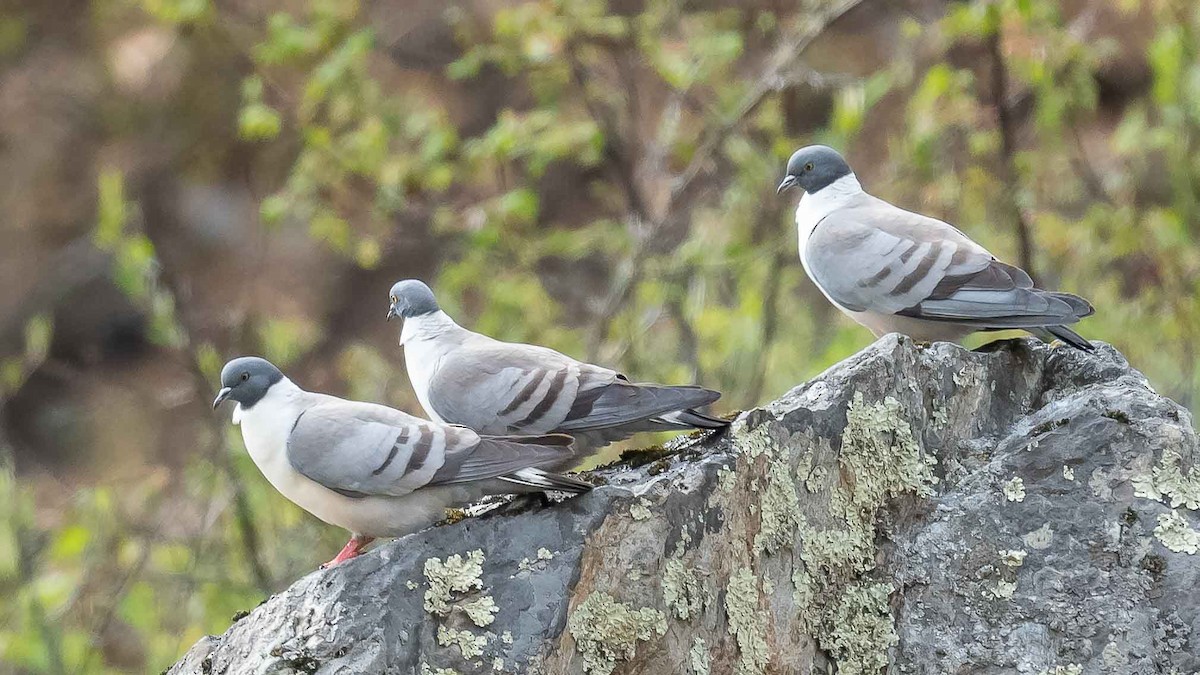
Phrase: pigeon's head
pixel 813 168
pixel 246 380
pixel 411 298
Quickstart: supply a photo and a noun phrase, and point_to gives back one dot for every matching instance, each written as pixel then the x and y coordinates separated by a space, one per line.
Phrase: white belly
pixel 265 428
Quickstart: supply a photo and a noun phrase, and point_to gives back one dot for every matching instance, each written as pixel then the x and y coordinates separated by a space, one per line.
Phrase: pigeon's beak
pixel 788 182
pixel 391 312
pixel 221 396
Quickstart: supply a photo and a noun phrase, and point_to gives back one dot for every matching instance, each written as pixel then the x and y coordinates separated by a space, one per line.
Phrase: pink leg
pixel 352 549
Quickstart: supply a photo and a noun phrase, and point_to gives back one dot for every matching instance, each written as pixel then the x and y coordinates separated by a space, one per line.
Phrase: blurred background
pixel 184 181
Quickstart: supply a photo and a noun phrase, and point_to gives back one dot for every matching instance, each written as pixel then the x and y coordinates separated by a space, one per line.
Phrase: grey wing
pixel 497 456
pixel 506 389
pixel 356 450
pixel 876 257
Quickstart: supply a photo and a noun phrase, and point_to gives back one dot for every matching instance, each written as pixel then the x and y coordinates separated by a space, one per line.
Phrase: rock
pixel 924 509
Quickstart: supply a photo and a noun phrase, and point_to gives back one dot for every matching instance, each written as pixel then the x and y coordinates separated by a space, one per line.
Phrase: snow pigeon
pixel 495 387
pixel 374 470
pixel 893 270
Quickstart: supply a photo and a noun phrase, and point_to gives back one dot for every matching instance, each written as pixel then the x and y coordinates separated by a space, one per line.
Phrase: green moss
pixel 699 657
pixel 455 575
pixel 747 622
pixel 1175 533
pixel 468 643
pixel 607 631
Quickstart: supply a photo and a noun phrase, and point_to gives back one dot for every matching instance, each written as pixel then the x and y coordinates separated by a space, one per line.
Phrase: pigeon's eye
pixel 245 376
pixel 808 167
pixel 393 299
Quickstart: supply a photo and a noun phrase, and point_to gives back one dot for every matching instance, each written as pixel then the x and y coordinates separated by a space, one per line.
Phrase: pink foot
pixel 352 549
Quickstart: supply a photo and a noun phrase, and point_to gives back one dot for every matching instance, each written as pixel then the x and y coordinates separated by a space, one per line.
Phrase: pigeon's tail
pixel 544 480
pixel 1079 307
pixel 623 403
pixel 693 419
pixel 1065 334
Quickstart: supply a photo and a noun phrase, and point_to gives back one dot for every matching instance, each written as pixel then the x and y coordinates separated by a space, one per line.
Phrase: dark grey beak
pixel 391 312
pixel 788 182
pixel 221 396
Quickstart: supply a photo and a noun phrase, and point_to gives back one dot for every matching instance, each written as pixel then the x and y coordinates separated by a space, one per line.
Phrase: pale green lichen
pixel 862 630
pixel 879 450
pixel 780 510
pixel 468 643
pixel 497 664
pixel 1069 669
pixel 426 670
pixel 1014 489
pixel 411 585
pixel 1114 658
pixel 481 611
pixel 747 623
pixel 698 654
pixel 506 637
pixel 681 589
pixel 1167 482
pixel 1175 533
pixel 640 510
pixel 1003 590
pixel 607 631
pixel 544 554
pixel 1013 558
pixel 1040 538
pixel 456 575
pixel 1068 472
pixel 726 477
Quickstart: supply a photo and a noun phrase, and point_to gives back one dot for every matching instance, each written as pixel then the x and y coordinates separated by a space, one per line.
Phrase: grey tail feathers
pixel 544 480
pixel 694 418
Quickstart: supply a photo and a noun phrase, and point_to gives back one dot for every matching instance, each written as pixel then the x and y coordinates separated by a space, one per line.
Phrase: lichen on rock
pixel 606 631
pixel 746 621
pixel 1175 533
pixel 454 575
pixel 468 643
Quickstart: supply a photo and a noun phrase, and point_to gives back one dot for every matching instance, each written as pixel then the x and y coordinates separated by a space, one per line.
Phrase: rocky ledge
pixel 919 509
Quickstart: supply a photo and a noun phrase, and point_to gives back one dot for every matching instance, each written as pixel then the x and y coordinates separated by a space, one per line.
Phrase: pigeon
pixel 374 470
pixel 897 271
pixel 495 387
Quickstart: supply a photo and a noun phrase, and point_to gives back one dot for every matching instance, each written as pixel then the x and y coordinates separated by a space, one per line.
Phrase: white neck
pixel 815 206
pixel 426 327
pixel 279 398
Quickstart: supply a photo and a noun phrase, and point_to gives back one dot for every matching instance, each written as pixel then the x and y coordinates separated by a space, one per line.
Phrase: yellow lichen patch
pixel 746 622
pixel 607 631
pixel 469 644
pixel 455 575
pixel 1175 533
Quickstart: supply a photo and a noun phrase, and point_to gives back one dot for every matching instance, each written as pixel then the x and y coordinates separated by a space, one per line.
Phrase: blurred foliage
pixel 671 125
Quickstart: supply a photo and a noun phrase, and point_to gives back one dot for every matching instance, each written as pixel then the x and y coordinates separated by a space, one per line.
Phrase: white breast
pixel 813 208
pixel 423 354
